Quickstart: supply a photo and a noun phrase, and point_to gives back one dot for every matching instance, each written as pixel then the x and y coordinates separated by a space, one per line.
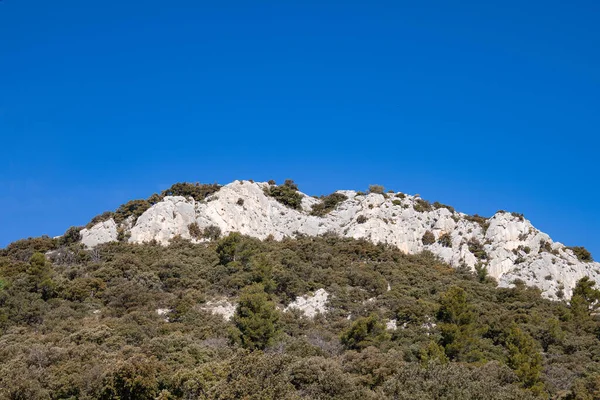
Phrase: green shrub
pixel 105 216
pixel 437 205
pixel 582 253
pixel 482 221
pixel 477 249
pixel 364 332
pixel 445 239
pixel 122 234
pixel 428 238
pixel 377 189
pixel 397 202
pixel 481 272
pixel 211 232
pixel 524 358
pixel 361 219
pixel 328 204
pixel 133 208
pixel 287 194
pixel 195 231
pixel 255 319
pixel 198 191
pixel 133 379
pixel 72 235
pixel 518 216
pixel 421 205
pixel 545 246
pixel 458 326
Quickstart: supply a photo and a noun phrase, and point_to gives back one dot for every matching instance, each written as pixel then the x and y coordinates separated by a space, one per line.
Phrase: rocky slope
pixel 506 244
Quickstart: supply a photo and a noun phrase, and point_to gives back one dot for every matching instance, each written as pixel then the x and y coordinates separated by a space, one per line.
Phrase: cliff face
pixel 506 244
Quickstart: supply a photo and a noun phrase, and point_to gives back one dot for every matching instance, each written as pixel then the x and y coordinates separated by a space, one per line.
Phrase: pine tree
pixel 460 337
pixel 585 300
pixel 255 319
pixel 364 332
pixel 524 358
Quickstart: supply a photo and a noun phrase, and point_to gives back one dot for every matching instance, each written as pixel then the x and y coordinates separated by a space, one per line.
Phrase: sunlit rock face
pixel 506 244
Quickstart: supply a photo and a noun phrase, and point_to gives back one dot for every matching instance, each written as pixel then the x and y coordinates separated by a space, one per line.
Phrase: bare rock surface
pixel 221 307
pixel 506 244
pixel 311 305
pixel 102 232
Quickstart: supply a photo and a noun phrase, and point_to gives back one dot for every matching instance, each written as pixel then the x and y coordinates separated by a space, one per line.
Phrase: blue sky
pixel 480 106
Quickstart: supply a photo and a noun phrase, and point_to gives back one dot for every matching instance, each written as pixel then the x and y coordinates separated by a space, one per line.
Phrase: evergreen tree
pixel 459 332
pixel 585 300
pixel 364 332
pixel 255 319
pixel 524 358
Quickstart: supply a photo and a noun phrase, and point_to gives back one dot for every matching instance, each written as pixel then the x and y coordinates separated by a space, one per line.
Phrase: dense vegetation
pixel 83 324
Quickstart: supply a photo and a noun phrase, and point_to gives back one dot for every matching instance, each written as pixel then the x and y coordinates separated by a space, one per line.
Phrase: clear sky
pixel 483 105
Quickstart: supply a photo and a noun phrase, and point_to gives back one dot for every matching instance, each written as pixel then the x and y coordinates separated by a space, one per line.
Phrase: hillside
pixel 305 318
pixel 506 245
pixel 257 291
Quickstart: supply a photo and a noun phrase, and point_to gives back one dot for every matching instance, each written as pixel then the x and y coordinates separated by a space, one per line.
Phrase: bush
pixel 255 319
pixel 72 235
pixel 364 332
pixel 361 219
pixel 240 202
pixel 105 216
pixel 211 232
pixel 287 194
pixel 445 239
pixel 477 249
pixel 582 253
pixel 133 208
pixel 437 205
pixel 132 379
pixel 518 216
pixel 194 230
pixel 328 204
pixel 122 234
pixel 524 357
pixel 397 202
pixel 545 246
pixel 478 219
pixel 421 205
pixel 198 191
pixel 377 189
pixel 428 238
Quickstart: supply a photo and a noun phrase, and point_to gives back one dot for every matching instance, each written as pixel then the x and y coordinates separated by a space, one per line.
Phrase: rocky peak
pixel 506 244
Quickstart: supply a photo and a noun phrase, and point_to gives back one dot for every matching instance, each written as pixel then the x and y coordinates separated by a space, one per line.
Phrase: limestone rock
pixel 221 307
pixel 506 244
pixel 102 232
pixel 311 305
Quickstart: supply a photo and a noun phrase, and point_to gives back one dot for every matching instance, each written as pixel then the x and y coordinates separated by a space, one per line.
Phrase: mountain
pixel 257 291
pixel 506 246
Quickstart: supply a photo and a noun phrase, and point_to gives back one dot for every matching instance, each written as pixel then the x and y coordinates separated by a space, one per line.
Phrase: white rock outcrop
pixel 506 244
pixel 311 305
pixel 102 232
pixel 220 307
